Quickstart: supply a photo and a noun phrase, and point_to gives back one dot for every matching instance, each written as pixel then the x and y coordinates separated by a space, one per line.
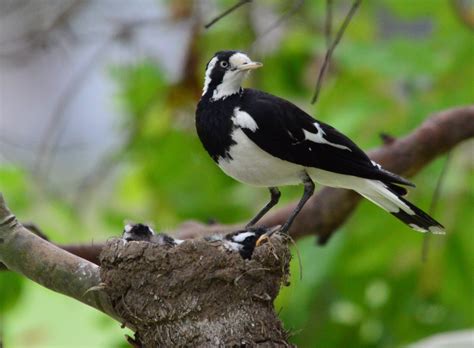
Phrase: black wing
pixel 283 131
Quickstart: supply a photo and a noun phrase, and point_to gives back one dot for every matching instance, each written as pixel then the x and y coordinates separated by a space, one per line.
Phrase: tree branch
pixel 28 254
pixel 332 47
pixel 226 12
pixel 295 7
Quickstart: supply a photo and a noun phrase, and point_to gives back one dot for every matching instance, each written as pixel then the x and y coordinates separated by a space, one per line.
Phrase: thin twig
pixel 331 49
pixel 51 135
pixel 284 17
pixel 226 12
pixel 300 263
pixel 434 203
pixel 328 23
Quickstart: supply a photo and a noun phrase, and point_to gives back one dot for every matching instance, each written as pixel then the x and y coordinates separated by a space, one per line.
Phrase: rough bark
pixel 197 294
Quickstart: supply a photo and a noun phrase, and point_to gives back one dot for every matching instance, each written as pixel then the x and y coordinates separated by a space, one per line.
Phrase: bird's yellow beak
pixel 249 66
pixel 262 239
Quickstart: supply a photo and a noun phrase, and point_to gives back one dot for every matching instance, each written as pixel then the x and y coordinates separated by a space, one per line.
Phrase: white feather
pixel 250 164
pixel 207 77
pixel 244 120
pixel 319 138
pixel 242 236
pixel 373 190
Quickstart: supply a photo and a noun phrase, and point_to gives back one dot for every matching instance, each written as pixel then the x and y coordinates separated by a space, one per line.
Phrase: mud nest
pixel 197 293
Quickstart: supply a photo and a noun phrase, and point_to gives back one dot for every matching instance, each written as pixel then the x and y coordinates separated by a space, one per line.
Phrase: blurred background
pixel 97 103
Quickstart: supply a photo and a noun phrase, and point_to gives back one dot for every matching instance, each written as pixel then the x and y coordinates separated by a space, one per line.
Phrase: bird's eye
pixel 224 64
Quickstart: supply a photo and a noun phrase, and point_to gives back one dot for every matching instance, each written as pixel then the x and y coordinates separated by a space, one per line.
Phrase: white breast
pixel 252 165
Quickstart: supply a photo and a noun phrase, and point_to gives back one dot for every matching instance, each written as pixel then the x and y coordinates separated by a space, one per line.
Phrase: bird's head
pixel 245 241
pixel 225 72
pixel 137 232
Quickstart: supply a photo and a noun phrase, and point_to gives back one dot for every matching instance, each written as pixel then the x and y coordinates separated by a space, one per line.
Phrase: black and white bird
pixel 144 233
pixel 263 140
pixel 242 241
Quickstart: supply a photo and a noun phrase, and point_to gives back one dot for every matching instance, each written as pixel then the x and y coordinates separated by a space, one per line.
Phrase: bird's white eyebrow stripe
pixel 319 137
pixel 241 236
pixel 207 78
pixel 244 120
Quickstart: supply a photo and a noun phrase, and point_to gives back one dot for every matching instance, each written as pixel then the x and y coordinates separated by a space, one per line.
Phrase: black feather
pixel 420 219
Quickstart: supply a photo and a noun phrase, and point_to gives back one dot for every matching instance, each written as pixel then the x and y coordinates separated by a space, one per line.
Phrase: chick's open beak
pixel 249 66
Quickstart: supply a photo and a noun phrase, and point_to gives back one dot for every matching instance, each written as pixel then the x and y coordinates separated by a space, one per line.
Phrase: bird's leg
pixel 308 192
pixel 274 198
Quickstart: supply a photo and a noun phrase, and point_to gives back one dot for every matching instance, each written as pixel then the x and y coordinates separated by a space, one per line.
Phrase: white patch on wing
pixel 252 165
pixel 319 138
pixel 244 120
pixel 242 236
pixel 207 78
pixel 375 164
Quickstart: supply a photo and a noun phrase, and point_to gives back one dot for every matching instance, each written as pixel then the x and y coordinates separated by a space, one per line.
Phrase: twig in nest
pixel 226 12
pixel 332 47
pixel 300 263
pixel 99 287
pixel 434 202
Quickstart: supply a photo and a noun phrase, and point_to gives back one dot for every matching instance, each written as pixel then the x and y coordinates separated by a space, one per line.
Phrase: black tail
pixel 419 221
pixel 392 201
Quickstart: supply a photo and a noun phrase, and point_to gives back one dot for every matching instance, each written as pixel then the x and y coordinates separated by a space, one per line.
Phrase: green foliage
pixel 368 287
pixel 11 287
